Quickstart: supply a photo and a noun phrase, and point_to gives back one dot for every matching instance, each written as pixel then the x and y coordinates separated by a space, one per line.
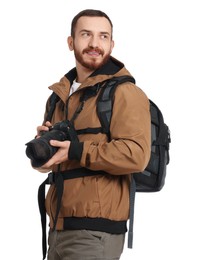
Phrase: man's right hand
pixel 43 128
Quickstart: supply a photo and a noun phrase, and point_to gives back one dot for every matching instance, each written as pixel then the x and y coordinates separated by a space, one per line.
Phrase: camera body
pixel 40 151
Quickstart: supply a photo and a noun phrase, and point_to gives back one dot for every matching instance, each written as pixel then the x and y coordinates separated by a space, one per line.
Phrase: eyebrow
pixel 88 31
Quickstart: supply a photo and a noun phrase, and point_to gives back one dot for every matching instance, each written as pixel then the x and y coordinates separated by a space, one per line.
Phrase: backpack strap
pixel 105 101
pixel 54 98
pixel 131 213
pixel 104 111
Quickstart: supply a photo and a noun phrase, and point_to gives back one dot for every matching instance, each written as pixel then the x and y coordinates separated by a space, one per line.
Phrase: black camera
pixel 40 151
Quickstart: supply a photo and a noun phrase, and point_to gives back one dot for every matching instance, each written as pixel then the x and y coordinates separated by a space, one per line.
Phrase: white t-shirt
pixel 74 86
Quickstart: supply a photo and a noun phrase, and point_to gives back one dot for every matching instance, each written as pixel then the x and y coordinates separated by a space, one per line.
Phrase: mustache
pixel 96 49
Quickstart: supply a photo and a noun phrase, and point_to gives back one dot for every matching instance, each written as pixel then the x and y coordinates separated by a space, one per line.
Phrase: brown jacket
pixel 99 201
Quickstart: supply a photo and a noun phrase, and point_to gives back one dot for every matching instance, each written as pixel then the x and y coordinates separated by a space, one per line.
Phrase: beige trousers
pixel 84 245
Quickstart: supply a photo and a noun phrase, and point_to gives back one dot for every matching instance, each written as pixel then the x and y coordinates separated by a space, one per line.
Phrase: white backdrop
pixel 158 42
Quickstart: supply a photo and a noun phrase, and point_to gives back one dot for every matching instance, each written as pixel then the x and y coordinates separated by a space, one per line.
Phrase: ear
pixel 112 45
pixel 70 43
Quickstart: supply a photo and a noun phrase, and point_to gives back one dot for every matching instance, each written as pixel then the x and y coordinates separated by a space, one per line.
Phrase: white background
pixel 158 42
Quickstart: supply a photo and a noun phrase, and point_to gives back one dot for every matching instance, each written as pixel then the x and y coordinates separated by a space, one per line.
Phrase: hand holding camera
pixel 42 149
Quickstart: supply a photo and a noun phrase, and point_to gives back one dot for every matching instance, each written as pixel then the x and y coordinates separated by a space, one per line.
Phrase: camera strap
pixel 88 92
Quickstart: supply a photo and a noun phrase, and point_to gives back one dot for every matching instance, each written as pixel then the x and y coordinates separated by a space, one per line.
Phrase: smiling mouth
pixel 93 52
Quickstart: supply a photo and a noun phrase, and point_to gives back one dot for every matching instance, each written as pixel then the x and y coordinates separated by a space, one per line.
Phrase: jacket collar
pixel 110 68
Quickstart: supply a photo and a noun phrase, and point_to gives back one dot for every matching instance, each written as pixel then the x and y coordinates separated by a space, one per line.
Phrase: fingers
pixel 61 155
pixel 61 144
pixel 43 128
pixel 48 124
pixel 53 161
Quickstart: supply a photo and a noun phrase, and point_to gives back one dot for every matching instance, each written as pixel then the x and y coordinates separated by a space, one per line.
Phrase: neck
pixel 82 72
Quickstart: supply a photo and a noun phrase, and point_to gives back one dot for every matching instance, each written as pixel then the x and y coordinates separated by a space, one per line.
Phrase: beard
pixel 93 64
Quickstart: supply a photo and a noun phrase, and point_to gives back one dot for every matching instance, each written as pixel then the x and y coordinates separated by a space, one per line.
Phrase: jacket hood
pixel 112 68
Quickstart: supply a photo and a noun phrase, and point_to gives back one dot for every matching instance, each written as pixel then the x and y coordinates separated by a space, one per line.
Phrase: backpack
pixel 152 179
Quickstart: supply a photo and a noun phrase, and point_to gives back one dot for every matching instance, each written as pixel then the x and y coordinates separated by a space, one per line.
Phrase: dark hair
pixel 91 13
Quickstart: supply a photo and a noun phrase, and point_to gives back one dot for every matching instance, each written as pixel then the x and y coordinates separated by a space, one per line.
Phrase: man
pixel 90 222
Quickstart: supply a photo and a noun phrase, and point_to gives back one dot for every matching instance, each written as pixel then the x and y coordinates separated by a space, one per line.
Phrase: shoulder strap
pixel 54 98
pixel 105 100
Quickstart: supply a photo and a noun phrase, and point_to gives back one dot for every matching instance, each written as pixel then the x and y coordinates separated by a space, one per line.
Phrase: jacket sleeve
pixel 130 128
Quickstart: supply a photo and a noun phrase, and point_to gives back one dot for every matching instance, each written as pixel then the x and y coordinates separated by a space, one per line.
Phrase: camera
pixel 40 151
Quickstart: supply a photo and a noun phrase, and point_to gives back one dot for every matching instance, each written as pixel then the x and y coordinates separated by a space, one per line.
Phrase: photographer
pixel 88 200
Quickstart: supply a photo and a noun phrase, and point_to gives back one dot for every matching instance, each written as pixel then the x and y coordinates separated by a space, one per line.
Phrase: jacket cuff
pixel 75 151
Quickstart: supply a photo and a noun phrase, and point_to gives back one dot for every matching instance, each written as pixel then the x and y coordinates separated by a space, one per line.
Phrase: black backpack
pixel 152 179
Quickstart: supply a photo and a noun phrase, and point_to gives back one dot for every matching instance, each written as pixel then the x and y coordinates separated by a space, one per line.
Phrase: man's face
pixel 92 42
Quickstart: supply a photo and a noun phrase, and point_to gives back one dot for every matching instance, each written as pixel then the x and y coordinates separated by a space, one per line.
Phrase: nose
pixel 93 43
